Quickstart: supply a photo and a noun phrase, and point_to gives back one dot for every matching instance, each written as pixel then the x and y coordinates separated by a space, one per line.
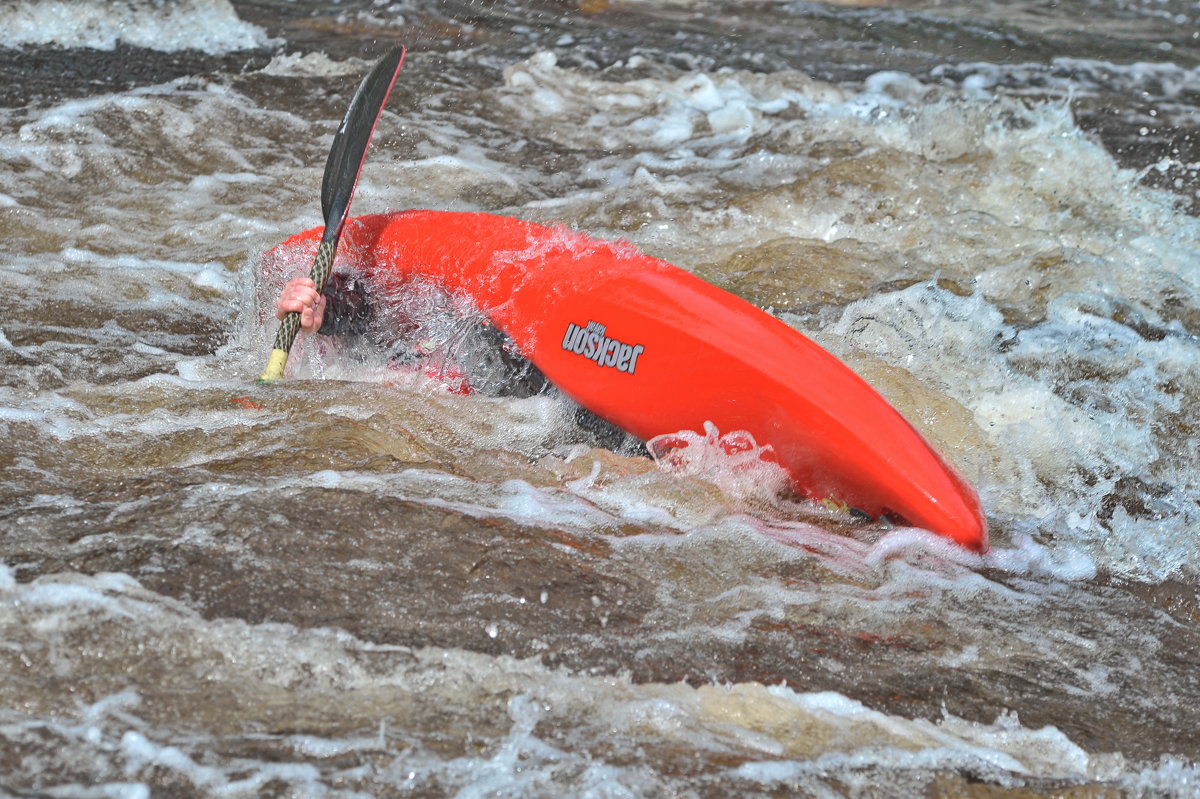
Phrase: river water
pixel 358 583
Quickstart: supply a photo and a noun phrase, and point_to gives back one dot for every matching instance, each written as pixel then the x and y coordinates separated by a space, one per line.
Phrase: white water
pixel 804 736
pixel 211 26
pixel 1037 338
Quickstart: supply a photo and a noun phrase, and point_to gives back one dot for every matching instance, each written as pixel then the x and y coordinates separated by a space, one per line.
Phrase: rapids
pixel 358 583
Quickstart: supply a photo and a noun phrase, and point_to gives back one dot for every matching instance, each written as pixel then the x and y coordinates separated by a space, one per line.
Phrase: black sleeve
pixel 347 306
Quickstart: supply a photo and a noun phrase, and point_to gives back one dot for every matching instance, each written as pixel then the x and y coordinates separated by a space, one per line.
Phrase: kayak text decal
pixel 592 343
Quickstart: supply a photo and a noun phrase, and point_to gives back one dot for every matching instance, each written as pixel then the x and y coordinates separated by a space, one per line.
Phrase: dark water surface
pixel 356 583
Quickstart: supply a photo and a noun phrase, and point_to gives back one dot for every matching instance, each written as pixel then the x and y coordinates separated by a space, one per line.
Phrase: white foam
pixel 211 26
pixel 312 65
pixel 1172 776
pixel 1072 77
pixel 733 460
pixel 696 109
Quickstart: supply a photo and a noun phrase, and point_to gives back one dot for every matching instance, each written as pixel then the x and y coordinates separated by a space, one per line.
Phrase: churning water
pixel 357 582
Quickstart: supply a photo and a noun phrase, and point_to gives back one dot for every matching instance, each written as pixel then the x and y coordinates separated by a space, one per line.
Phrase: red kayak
pixel 655 350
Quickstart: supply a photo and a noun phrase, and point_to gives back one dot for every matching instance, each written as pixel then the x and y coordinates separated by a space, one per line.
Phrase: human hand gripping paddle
pixel 346 158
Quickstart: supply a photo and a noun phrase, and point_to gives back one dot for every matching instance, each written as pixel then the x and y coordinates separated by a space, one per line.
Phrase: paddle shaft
pixel 346 157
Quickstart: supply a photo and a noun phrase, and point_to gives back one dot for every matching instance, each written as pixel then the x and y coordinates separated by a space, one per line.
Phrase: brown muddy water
pixel 357 583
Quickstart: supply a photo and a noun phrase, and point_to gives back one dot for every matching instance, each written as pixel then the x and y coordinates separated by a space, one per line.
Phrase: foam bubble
pixel 211 26
pixel 311 65
pixel 733 460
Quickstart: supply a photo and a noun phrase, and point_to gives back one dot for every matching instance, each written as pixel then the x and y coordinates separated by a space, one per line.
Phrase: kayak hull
pixel 655 350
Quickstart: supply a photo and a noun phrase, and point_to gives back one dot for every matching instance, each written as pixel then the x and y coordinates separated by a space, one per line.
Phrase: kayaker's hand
pixel 300 295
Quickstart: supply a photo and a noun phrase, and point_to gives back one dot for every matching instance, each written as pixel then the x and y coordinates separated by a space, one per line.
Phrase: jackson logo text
pixel 592 343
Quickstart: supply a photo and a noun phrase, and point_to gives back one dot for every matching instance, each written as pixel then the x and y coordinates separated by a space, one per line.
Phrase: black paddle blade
pixel 349 148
